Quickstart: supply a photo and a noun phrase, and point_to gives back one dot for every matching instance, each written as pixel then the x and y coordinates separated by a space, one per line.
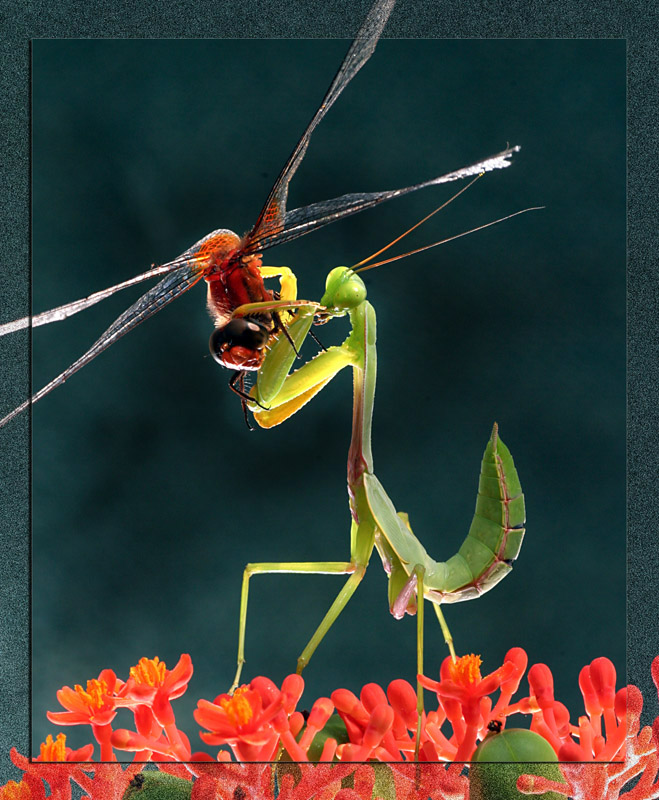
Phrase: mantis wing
pixel 486 555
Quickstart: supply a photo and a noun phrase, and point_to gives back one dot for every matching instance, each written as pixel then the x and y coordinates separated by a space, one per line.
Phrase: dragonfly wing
pixel 68 310
pixel 310 218
pixel 148 304
pixel 272 217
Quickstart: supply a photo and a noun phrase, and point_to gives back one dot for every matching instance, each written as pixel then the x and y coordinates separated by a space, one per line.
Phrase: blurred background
pixel 150 494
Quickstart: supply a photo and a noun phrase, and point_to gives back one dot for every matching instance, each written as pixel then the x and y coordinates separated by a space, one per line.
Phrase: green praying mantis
pixel 497 529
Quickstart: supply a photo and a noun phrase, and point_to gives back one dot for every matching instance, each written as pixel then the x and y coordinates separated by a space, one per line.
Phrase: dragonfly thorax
pixel 239 344
pixel 216 247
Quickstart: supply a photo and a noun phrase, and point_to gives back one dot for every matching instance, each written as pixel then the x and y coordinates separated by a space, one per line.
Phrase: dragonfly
pixel 232 266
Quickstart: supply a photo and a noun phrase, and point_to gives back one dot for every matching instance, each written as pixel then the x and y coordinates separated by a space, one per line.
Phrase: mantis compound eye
pixel 238 344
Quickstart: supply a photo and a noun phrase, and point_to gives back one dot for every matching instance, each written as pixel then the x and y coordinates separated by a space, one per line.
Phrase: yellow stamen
pixel 54 750
pixel 15 791
pixel 149 671
pixel 96 693
pixel 466 670
pixel 237 707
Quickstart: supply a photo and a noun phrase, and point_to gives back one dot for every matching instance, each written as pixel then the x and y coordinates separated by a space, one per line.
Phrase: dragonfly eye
pixel 238 344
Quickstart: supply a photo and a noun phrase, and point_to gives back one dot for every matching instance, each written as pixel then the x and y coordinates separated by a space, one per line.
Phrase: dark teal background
pixel 149 493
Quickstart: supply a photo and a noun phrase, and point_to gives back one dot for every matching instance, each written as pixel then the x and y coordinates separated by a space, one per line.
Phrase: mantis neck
pixel 364 369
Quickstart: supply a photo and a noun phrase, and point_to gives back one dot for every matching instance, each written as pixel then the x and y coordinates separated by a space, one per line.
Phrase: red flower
pixel 246 719
pixel 289 726
pixel 58 775
pixel 58 751
pixel 151 683
pixel 322 782
pixel 149 691
pixel 24 790
pixel 435 781
pixel 606 781
pixel 230 781
pixel 174 745
pixel 95 705
pixel 369 722
pixel 597 683
pixel 463 694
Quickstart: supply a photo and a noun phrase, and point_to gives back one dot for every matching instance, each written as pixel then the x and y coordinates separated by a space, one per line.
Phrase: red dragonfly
pixel 230 264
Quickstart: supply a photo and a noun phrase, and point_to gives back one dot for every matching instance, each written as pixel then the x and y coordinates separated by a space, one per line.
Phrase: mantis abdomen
pixel 486 555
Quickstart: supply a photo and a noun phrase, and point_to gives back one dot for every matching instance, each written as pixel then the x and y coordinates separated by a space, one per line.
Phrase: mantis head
pixel 344 290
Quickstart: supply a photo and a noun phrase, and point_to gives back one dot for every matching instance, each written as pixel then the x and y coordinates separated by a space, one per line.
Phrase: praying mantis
pixel 494 538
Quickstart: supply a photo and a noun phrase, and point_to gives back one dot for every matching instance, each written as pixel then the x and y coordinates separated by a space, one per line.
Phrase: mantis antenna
pixel 363 265
pixel 414 227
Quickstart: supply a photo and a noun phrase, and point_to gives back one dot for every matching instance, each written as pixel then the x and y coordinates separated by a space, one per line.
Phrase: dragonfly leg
pixel 312 567
pixel 243 405
pixel 279 326
pixel 239 378
pixel 321 346
pixel 287 293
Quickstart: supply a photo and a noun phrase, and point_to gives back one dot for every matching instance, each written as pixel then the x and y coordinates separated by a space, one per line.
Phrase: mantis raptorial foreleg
pixel 496 532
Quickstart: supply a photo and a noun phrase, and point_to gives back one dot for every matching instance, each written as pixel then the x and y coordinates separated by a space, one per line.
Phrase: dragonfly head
pixel 239 344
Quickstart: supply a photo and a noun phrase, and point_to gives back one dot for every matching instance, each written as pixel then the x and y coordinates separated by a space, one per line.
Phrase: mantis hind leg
pixel 330 618
pixel 418 576
pixel 445 631
pixel 313 568
pixel 419 572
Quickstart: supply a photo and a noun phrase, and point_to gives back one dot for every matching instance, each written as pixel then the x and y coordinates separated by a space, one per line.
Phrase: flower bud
pixel 541 682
